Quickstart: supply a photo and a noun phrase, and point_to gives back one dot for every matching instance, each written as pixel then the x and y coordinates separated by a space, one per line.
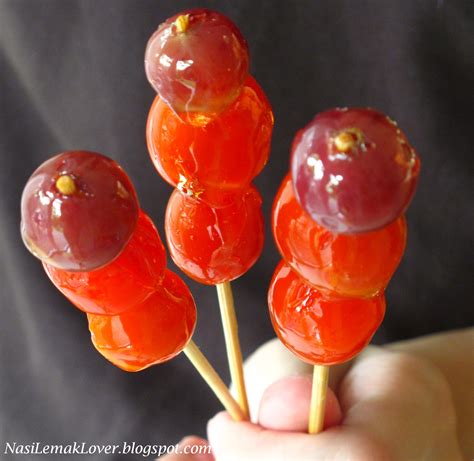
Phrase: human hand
pixel 394 407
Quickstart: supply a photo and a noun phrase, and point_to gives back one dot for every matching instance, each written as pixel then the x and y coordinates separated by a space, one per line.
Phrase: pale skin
pixel 410 400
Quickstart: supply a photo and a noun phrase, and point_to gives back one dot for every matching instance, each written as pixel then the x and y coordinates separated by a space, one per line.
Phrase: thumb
pixel 285 406
pixel 237 441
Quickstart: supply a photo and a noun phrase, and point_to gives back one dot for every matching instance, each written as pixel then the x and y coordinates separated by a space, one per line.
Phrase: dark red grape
pixel 353 170
pixel 78 211
pixel 197 61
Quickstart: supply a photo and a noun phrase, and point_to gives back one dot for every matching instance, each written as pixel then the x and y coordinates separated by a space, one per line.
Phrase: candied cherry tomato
pixel 197 61
pixel 78 211
pixel 214 245
pixel 122 284
pixel 321 328
pixel 215 162
pixel 352 265
pixel 153 332
pixel 353 170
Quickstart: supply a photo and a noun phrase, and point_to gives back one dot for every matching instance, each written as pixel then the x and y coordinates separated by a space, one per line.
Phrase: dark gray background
pixel 71 77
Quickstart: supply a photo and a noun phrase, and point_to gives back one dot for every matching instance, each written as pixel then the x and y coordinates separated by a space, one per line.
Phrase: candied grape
pixel 215 162
pixel 352 265
pixel 214 245
pixel 197 62
pixel 353 170
pixel 324 329
pixel 78 211
pixel 155 331
pixel 122 284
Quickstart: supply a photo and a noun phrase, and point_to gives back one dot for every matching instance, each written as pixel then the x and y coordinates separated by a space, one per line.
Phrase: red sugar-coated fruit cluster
pixel 197 61
pixel 123 283
pixel 219 161
pixel 208 134
pixel 214 245
pixel 354 173
pixel 350 264
pixel 139 313
pixel 319 328
pixel 62 211
pixel 157 330
pixel 353 170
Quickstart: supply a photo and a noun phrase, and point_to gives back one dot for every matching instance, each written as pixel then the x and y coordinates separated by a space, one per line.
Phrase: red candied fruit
pixel 352 265
pixel 78 211
pixel 197 61
pixel 353 170
pixel 155 331
pixel 320 328
pixel 122 284
pixel 214 162
pixel 214 245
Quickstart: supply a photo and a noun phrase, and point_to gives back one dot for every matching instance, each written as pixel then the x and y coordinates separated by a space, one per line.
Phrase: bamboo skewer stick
pixel 234 354
pixel 318 398
pixel 214 381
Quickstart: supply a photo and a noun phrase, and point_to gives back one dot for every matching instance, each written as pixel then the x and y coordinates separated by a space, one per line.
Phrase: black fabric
pixel 71 77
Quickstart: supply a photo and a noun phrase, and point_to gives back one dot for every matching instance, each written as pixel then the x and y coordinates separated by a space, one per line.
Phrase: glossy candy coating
pixel 153 332
pixel 352 265
pixel 197 62
pixel 214 245
pixel 122 284
pixel 218 161
pixel 320 328
pixel 353 170
pixel 78 211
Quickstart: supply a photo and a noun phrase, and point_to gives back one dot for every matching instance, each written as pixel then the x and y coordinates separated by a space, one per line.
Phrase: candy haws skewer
pixel 208 134
pixel 156 331
pixel 80 216
pixel 214 246
pixel 338 223
pixel 318 398
pixel 320 328
pixel 231 334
